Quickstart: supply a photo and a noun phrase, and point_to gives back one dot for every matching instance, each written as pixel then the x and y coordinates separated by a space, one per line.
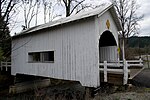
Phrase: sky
pixel 144 23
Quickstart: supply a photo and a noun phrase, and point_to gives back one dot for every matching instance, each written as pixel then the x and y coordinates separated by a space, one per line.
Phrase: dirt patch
pixel 5 81
pixel 131 93
pixel 124 96
pixel 74 91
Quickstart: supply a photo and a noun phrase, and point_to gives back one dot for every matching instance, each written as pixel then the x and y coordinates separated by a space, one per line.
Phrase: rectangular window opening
pixel 45 56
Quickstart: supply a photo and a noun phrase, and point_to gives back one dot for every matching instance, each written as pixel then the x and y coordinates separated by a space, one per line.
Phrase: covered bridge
pixel 70 48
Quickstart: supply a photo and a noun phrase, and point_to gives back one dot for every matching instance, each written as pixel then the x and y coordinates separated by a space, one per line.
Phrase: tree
pixel 72 5
pixel 127 13
pixel 5 43
pixel 47 7
pixel 6 7
pixel 6 12
pixel 1 54
pixel 30 10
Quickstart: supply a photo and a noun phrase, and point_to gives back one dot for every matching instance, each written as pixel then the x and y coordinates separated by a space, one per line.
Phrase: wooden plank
pixel 116 79
pixel 135 65
pixel 115 64
pixel 133 61
pixel 129 63
pixel 105 71
pixel 115 71
pixel 108 53
pixel 125 70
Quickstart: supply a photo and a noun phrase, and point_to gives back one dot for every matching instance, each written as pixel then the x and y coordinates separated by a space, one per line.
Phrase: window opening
pixel 45 56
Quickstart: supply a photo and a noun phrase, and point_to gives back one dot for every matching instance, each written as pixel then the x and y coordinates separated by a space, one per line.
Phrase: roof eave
pixel 71 19
pixel 115 18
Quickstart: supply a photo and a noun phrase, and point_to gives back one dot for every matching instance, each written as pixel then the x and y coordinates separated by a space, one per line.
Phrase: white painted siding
pixel 102 25
pixel 75 46
pixel 108 54
pixel 75 53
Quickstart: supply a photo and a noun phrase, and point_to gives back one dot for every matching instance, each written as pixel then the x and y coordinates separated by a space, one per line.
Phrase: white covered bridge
pixel 70 48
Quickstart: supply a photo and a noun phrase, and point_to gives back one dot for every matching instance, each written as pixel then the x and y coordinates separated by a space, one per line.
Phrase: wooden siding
pixel 108 54
pixel 75 46
pixel 75 53
pixel 102 25
pixel 111 54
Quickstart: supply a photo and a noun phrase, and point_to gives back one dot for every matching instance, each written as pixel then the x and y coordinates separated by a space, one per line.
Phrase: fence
pixel 146 59
pixel 5 65
pixel 124 65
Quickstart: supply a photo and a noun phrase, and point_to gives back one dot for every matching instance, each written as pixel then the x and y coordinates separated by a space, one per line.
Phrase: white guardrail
pixel 5 65
pixel 124 64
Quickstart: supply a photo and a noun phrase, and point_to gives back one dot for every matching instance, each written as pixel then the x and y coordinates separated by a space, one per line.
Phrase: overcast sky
pixel 144 9
pixel 144 24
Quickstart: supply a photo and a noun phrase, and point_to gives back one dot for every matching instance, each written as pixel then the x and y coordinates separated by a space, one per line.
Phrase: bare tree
pixel 30 9
pixel 6 7
pixel 127 13
pixel 47 7
pixel 37 11
pixel 74 6
pixel 6 13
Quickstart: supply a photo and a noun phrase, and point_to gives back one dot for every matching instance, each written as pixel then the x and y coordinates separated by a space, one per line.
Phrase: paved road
pixel 142 79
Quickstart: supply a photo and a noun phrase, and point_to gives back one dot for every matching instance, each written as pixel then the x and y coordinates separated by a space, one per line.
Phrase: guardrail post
pixel 105 71
pixel 125 70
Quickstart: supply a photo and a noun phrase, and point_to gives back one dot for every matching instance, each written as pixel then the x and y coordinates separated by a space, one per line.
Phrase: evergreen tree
pixel 5 42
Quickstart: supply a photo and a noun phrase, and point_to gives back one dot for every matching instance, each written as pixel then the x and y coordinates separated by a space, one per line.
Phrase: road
pixel 143 78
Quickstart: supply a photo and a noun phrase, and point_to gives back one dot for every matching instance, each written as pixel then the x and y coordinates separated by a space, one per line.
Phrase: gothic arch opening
pixel 107 47
pixel 107 39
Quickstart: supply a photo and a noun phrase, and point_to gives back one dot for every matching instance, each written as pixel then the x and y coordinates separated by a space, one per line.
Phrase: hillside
pixel 140 42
